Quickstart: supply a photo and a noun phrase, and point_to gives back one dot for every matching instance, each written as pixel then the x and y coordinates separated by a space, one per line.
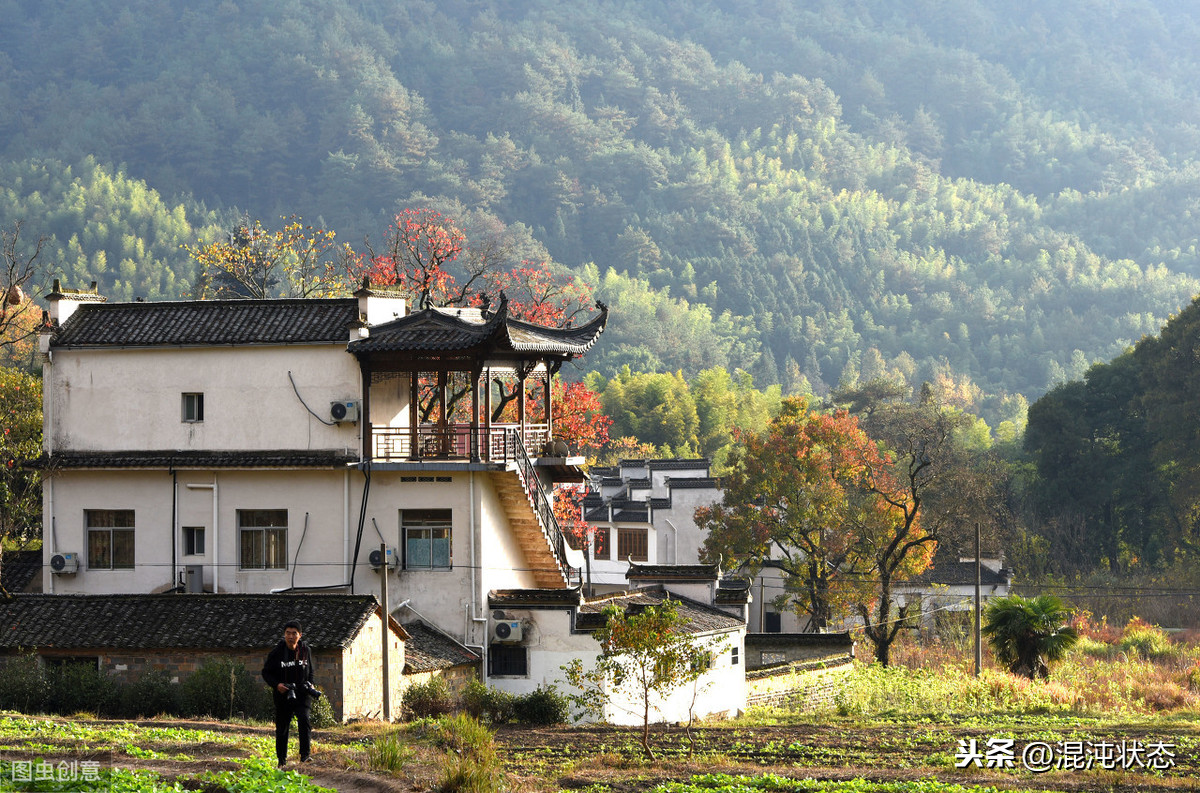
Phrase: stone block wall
pixel 362 674
pixel 804 685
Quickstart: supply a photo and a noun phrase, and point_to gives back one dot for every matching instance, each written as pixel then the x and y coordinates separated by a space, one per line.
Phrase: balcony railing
pixel 455 442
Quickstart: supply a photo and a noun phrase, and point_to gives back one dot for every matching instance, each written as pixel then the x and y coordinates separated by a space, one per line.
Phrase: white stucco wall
pixel 319 494
pixel 132 399
pixel 551 645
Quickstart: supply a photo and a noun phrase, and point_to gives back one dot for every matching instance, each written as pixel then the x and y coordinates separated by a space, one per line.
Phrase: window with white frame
pixel 193 540
pixel 426 535
pixel 193 407
pixel 110 539
pixel 262 537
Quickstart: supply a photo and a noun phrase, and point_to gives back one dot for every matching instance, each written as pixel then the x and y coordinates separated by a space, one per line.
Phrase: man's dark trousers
pixel 285 709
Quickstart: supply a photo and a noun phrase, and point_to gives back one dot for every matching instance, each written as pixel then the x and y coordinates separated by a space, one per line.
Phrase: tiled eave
pixel 181 460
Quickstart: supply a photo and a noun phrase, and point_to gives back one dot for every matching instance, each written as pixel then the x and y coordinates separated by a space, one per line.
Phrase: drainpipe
pixel 216 527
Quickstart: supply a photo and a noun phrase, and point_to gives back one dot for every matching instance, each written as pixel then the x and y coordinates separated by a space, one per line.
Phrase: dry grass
pixel 1138 669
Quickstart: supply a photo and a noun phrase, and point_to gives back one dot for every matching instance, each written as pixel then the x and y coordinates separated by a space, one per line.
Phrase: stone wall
pixel 802 685
pixel 362 681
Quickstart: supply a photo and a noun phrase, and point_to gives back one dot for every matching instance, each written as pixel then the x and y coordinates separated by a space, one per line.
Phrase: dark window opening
pixel 507 660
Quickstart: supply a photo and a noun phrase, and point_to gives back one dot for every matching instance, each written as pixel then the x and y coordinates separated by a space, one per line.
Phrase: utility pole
pixel 978 607
pixel 387 643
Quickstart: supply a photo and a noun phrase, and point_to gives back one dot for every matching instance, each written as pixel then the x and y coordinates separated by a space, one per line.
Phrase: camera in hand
pixel 306 687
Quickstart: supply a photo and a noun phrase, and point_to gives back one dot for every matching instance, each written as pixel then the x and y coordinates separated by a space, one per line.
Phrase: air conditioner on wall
pixel 345 411
pixel 507 631
pixel 377 560
pixel 64 563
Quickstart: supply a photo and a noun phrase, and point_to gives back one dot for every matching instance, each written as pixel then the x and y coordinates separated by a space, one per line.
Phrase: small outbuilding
pixel 129 635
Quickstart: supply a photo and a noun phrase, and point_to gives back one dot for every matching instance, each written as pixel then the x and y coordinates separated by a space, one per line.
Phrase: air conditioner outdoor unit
pixel 377 560
pixel 507 631
pixel 193 578
pixel 344 411
pixel 64 563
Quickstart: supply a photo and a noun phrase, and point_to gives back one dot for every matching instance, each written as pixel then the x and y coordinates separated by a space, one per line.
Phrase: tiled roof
pixel 435 329
pixel 769 640
pixel 283 458
pixel 505 598
pixel 632 513
pixel 673 572
pixel 639 484
pixel 696 617
pixel 957 573
pixel 733 592
pixel 677 464
pixel 430 650
pixel 208 322
pixel 694 482
pixel 19 569
pixel 201 622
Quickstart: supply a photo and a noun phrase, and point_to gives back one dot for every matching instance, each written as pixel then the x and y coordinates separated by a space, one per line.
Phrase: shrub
pixel 222 688
pixel 480 700
pixel 81 686
pixel 544 705
pixel 24 685
pixel 1148 641
pixel 320 712
pixel 151 694
pixel 431 698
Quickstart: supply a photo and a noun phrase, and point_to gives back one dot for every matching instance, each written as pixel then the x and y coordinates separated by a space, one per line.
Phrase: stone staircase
pixel 534 539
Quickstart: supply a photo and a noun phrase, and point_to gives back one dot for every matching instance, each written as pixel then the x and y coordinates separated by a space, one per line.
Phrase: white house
pixel 258 446
pixel 556 626
pixel 643 511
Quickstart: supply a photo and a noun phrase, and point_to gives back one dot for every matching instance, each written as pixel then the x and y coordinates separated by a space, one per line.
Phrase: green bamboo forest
pixel 999 199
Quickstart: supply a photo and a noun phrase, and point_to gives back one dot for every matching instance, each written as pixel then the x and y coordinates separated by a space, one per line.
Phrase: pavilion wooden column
pixel 476 374
pixel 487 413
pixel 522 373
pixel 414 412
pixel 549 420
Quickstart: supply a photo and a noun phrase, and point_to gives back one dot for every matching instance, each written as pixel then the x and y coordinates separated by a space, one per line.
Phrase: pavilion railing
pixel 454 442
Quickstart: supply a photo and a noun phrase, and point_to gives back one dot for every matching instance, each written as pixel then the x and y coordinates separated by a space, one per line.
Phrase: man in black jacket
pixel 288 671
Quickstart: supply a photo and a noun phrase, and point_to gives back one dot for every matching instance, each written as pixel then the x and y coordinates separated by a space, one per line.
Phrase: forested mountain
pixel 1118 456
pixel 986 194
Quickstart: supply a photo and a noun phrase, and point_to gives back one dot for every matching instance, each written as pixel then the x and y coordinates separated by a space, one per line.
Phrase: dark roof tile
pixel 201 622
pixel 430 650
pixel 696 617
pixel 208 322
pixel 19 570
pixel 284 458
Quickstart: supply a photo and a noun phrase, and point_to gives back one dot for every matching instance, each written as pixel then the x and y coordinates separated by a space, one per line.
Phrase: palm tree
pixel 1025 634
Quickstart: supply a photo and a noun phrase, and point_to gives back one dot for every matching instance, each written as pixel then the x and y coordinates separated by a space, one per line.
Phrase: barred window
pixel 263 539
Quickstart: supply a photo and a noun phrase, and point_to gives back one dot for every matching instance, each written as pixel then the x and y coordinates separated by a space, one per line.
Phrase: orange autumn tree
pixel 813 495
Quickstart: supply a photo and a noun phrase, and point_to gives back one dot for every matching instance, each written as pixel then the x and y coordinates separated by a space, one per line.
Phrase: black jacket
pixel 285 666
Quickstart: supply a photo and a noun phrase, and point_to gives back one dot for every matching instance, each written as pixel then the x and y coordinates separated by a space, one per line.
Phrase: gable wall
pixel 132 399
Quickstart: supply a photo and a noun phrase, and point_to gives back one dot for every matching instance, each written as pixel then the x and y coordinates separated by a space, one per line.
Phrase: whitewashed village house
pixel 271 446
pixel 643 512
